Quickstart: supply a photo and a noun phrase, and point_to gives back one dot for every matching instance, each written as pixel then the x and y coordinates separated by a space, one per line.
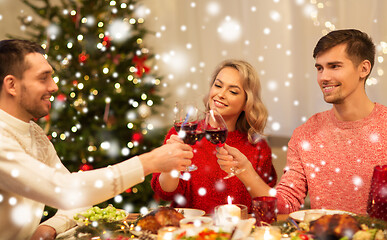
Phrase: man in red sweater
pixel 333 154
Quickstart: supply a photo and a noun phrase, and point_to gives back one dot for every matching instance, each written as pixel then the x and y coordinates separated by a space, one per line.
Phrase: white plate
pixel 190 212
pixel 299 215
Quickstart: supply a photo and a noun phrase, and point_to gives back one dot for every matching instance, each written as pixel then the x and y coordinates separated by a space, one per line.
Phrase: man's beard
pixel 29 106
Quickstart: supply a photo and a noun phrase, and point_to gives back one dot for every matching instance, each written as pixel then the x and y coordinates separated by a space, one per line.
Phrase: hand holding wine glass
pixel 216 133
pixel 189 124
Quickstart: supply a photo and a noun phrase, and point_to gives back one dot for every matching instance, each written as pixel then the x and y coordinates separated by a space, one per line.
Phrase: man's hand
pixel 172 156
pixel 44 232
pixel 174 139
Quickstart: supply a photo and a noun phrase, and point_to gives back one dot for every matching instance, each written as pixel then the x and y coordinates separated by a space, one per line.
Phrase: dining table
pixel 70 234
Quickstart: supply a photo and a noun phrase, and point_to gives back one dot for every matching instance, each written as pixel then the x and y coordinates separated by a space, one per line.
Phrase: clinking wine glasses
pixel 189 124
pixel 216 133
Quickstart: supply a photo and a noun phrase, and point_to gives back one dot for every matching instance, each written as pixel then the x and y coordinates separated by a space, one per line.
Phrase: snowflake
pixel 357 181
pixel 175 173
pixel 180 199
pixel 374 137
pixel 275 16
pixel 202 191
pixel 186 176
pixel 213 8
pixel 220 186
pixel 272 192
pixel 144 210
pixel 98 184
pixel 229 30
pixel 383 192
pixel 305 145
pixel 21 215
pixel 118 198
pixel 10 156
pixel 15 173
pixel 129 207
pixel 12 201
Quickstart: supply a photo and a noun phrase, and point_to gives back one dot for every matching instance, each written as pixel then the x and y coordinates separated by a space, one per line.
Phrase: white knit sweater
pixel 32 175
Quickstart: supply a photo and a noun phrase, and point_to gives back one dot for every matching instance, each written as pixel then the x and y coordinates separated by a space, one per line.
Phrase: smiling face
pixel 338 77
pixel 34 90
pixel 228 96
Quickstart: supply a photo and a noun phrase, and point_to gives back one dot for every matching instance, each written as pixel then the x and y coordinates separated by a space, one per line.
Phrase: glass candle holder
pixel 264 210
pixel 377 200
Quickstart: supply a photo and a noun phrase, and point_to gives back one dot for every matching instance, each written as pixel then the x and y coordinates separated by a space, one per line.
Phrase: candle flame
pixel 229 200
pixel 267 235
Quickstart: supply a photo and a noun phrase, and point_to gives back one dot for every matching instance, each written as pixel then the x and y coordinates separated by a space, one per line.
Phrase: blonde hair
pixel 253 120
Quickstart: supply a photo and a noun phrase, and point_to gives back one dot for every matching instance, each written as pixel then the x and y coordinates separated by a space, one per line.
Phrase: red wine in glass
pixel 191 137
pixel 191 126
pixel 216 136
pixel 216 133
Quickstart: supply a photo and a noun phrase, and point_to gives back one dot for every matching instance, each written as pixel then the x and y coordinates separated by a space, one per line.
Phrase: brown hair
pixel 253 120
pixel 359 45
pixel 12 57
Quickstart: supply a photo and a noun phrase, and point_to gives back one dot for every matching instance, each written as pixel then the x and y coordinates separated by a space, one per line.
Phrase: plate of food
pixel 313 214
pixel 157 219
pixel 339 225
pixel 191 212
pixel 202 233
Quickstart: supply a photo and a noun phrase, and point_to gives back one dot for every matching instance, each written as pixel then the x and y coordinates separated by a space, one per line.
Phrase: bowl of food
pixel 108 214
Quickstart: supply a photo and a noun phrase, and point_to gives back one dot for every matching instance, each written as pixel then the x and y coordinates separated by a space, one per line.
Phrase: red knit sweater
pixel 333 160
pixel 206 189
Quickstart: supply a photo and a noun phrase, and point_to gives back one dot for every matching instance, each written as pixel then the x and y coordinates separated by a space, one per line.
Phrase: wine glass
pixel 216 133
pixel 189 124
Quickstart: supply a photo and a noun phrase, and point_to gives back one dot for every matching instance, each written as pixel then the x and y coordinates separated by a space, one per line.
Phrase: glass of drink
pixel 216 128
pixel 377 200
pixel 216 133
pixel 189 124
pixel 264 210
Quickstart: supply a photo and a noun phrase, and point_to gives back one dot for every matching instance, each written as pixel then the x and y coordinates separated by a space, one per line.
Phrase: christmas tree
pixel 107 91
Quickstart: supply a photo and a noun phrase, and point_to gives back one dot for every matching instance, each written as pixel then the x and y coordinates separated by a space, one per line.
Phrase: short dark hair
pixel 12 57
pixel 359 45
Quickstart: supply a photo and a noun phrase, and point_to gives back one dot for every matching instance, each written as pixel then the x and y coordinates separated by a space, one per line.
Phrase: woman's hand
pixel 229 157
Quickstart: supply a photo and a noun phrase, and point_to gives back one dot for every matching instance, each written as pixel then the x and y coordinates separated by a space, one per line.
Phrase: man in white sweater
pixel 31 174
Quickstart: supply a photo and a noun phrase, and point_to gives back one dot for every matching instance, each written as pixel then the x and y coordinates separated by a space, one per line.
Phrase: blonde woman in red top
pixel 235 93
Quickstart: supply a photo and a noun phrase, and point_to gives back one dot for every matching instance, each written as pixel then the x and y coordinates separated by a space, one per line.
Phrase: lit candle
pixel 166 233
pixel 267 233
pixel 228 212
